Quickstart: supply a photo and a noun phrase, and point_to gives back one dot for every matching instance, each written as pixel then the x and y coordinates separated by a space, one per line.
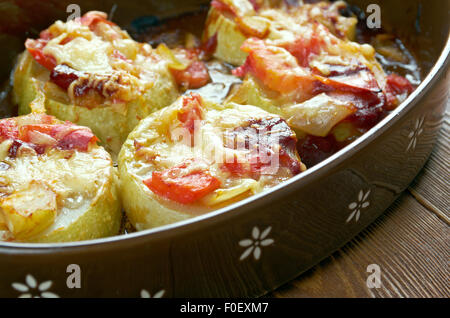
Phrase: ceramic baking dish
pixel 255 245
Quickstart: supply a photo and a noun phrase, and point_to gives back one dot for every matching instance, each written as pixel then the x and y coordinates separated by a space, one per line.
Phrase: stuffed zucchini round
pixel 91 72
pixel 196 156
pixel 56 183
pixel 301 63
pixel 231 22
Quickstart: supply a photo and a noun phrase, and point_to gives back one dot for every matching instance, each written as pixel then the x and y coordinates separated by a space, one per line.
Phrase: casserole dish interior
pixel 428 38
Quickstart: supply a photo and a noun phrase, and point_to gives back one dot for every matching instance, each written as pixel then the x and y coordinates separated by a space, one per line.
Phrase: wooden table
pixel 410 243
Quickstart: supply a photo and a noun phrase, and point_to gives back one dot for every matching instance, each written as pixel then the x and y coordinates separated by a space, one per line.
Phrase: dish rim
pixel 235 209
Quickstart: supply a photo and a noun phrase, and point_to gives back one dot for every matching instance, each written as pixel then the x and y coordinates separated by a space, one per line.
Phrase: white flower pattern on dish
pixel 357 207
pixel 415 133
pixel 31 288
pixel 146 294
pixel 258 240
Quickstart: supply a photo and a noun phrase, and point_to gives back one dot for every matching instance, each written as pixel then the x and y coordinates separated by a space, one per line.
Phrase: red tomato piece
pixel 90 19
pixel 191 111
pixel 396 85
pixel 35 47
pixel 68 136
pixel 275 67
pixel 78 139
pixel 26 129
pixel 194 76
pixel 304 48
pixel 182 188
pixel 236 168
pixel 8 129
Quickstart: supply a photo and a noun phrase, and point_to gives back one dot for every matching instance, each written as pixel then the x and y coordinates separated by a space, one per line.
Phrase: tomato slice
pixel 275 67
pixel 188 188
pixel 64 136
pixel 24 131
pixel 91 19
pixel 397 85
pixel 8 129
pixel 68 135
pixel 36 47
pixel 304 48
pixel 194 76
pixel 78 139
pixel 191 111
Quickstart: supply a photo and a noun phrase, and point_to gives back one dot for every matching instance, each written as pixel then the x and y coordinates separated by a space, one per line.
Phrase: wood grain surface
pixel 410 243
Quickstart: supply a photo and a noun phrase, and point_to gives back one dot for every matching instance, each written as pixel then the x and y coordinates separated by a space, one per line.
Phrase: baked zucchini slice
pixel 56 183
pixel 90 72
pixel 196 156
pixel 231 22
pixel 301 64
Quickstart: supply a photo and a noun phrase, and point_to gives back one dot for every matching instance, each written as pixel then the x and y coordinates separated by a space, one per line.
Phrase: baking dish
pixel 255 245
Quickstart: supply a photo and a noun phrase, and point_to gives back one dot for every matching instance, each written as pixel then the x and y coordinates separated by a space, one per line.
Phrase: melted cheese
pixel 73 178
pixel 318 115
pixel 81 54
pixel 240 7
pixel 164 144
pixel 67 177
pixel 285 25
pixel 107 52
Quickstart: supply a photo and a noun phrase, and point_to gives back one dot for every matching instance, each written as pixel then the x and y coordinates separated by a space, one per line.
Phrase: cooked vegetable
pixel 234 21
pixel 299 61
pixel 90 72
pixel 296 73
pixel 195 156
pixel 56 184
